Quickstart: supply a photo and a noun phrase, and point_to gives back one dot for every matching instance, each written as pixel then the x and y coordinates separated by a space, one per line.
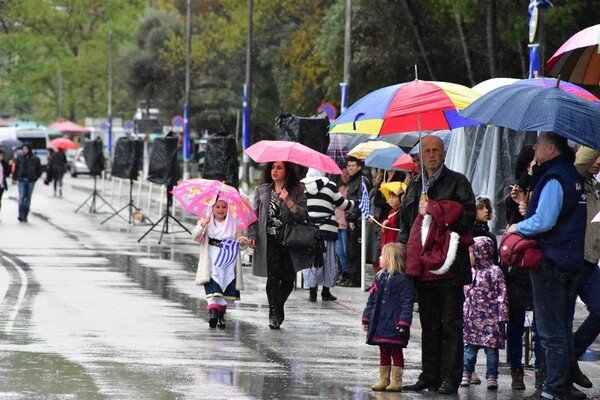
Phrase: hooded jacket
pixel 485 304
pixel 584 159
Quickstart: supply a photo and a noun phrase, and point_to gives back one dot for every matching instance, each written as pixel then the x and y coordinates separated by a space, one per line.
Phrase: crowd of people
pixel 430 244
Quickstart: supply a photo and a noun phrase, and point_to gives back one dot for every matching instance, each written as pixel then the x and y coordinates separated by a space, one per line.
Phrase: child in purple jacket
pixel 388 316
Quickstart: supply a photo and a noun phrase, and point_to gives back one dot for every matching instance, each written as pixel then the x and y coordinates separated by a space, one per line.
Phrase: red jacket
pixel 432 246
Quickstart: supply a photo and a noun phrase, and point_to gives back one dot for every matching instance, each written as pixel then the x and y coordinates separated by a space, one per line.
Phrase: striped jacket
pixel 323 197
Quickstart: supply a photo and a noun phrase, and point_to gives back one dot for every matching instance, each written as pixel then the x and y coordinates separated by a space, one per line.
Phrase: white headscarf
pixel 226 229
pixel 314 173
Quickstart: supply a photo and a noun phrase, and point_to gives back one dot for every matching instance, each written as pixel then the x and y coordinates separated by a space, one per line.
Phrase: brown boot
pixel 396 380
pixel 384 379
pixel 517 379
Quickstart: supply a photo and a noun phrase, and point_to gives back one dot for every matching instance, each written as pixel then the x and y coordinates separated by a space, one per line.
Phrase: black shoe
pixel 21 218
pixel 349 283
pixel 221 320
pixel 212 318
pixel 312 296
pixel 576 394
pixel 273 322
pixel 419 386
pixel 328 297
pixel 579 377
pixel 448 388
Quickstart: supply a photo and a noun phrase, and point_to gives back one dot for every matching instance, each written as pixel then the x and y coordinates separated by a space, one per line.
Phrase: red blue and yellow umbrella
pixel 398 108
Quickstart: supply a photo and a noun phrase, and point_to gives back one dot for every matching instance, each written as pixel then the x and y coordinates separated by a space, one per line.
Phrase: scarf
pixel 226 229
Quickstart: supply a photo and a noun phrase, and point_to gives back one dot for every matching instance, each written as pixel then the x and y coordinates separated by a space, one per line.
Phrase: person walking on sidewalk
pixel 27 170
pixel 485 312
pixel 388 316
pixel 556 214
pixel 440 296
pixel 57 166
pixel 322 197
pixel 4 172
pixel 220 275
pixel 279 198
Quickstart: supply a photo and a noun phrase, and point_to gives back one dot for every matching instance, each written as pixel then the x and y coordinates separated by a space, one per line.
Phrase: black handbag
pixel 304 235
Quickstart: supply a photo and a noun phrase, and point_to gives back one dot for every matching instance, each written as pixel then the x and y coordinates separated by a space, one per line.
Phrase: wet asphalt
pixel 88 312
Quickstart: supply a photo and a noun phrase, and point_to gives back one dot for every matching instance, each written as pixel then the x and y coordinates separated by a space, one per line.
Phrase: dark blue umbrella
pixel 533 108
pixel 384 158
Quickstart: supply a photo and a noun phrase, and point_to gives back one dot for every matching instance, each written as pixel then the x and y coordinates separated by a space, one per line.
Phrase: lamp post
pixel 186 120
pixel 247 105
pixel 109 118
pixel 347 55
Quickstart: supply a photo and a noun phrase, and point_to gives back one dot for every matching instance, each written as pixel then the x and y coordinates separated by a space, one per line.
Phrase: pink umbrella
pixel 274 150
pixel 62 143
pixel 198 195
pixel 578 60
pixel 68 127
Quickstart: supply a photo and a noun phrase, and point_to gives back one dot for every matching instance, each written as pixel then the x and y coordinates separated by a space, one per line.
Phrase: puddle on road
pixel 285 380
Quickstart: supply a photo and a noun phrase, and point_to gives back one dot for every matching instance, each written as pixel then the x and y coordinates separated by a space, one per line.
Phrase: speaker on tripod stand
pixel 126 165
pixel 94 159
pixel 164 170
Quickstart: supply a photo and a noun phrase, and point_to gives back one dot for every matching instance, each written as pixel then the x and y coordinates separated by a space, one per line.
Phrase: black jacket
pixel 28 167
pixel 354 193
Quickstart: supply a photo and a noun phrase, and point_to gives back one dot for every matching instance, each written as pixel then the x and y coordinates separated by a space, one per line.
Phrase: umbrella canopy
pixel 7 150
pixel 363 150
pixel 405 141
pixel 394 109
pixel 12 143
pixel 445 135
pixel 275 150
pixel 538 108
pixel 68 127
pixel 491 84
pixel 198 195
pixel 578 60
pixel 391 187
pixel 384 158
pixel 405 163
pixel 566 86
pixel 62 143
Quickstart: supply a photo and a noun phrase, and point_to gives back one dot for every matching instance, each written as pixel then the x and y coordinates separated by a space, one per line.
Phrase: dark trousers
pixel 353 253
pixel 441 315
pixel 280 275
pixel 1 193
pixel 514 336
pixel 589 330
pixel 554 295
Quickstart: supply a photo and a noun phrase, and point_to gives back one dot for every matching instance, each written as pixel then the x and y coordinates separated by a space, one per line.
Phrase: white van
pixel 38 137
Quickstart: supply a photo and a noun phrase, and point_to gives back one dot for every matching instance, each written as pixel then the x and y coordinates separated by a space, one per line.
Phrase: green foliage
pixel 298 50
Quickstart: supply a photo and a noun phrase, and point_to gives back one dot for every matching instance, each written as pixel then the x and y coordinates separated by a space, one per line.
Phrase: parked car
pixel 77 163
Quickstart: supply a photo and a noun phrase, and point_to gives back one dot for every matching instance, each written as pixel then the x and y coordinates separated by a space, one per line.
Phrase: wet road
pixel 89 313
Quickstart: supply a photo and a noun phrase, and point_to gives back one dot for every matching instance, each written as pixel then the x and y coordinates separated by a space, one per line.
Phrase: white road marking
pixel 22 290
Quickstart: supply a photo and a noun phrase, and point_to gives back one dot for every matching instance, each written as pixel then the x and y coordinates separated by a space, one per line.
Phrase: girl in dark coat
pixel 388 316
pixel 4 172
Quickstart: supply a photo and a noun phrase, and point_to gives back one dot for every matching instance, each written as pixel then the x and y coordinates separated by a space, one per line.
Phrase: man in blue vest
pixel 556 215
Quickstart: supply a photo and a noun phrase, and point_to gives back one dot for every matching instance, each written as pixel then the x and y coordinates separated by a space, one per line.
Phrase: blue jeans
pixel 340 248
pixel 25 191
pixel 554 294
pixel 588 292
pixel 470 359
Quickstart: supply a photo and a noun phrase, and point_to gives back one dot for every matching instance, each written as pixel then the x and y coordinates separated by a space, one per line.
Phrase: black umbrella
pixel 12 143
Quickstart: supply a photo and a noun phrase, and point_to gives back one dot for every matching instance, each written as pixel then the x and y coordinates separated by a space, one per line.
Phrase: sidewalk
pixel 323 339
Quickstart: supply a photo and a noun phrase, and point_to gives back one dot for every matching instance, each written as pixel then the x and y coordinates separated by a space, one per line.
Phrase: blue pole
pixel 343 90
pixel 186 133
pixel 245 122
pixel 109 136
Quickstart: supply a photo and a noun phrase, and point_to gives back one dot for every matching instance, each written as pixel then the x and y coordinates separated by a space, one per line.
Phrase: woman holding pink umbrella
pixel 280 198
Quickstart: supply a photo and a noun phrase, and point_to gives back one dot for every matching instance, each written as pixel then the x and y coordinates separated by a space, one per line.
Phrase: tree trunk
pixel 490 23
pixel 418 37
pixel 524 65
pixel 465 46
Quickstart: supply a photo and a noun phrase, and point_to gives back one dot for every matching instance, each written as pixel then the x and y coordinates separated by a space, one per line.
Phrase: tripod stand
pixel 92 197
pixel 165 218
pixel 131 206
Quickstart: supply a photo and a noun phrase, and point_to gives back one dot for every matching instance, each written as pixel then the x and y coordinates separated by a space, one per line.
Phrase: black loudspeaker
pixel 221 159
pixel 128 154
pixel 94 156
pixel 164 167
pixel 311 132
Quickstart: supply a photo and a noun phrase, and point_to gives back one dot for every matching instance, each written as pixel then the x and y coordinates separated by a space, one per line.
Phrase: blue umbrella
pixel 533 108
pixel 384 158
pixel 12 143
